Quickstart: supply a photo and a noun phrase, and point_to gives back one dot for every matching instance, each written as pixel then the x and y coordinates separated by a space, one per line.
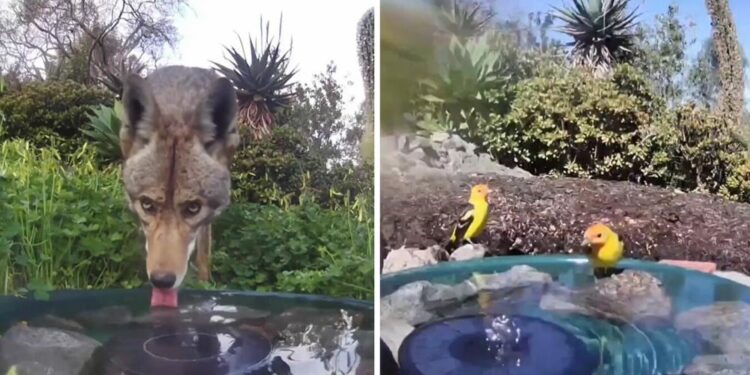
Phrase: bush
pixel 564 121
pixel 68 225
pixel 65 224
pixel 303 248
pixel 279 169
pixel 695 150
pixel 51 113
pixel 273 168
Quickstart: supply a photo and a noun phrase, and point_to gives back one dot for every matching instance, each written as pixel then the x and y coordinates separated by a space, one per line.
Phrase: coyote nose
pixel 163 280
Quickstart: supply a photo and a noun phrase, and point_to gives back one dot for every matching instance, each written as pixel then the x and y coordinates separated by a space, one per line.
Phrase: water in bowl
pixel 565 325
pixel 210 334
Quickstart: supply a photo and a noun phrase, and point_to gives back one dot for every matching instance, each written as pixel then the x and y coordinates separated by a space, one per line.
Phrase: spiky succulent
pixel 111 76
pixel 462 20
pixel 602 31
pixel 263 80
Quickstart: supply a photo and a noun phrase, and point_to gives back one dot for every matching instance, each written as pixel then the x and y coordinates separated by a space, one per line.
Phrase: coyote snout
pixel 178 139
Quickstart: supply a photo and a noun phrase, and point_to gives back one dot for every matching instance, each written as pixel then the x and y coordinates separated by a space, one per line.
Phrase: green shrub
pixel 51 113
pixel 279 169
pixel 273 168
pixel 68 226
pixel 693 149
pixel 563 121
pixel 303 248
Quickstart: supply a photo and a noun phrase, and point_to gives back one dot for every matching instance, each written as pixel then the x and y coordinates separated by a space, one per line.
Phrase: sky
pixel 321 32
pixel 692 12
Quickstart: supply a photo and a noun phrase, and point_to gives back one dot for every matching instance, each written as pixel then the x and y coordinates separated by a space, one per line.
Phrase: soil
pixel 543 215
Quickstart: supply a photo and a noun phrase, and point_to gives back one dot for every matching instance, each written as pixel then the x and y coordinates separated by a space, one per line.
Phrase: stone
pixel 407 304
pixel 442 154
pixel 407 258
pixel 52 321
pixel 468 252
pixel 724 325
pixel 517 276
pixel 106 316
pixel 642 291
pixel 632 295
pixel 724 364
pixel 49 351
pixel 417 154
pixel 393 332
pixel 439 137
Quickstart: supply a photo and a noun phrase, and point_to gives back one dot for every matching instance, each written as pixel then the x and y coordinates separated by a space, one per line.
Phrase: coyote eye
pixel 193 208
pixel 148 205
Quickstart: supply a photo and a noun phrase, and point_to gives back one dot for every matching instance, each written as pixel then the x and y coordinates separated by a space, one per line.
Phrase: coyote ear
pixel 140 109
pixel 221 108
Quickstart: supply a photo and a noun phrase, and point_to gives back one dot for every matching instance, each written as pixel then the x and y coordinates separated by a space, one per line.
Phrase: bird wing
pixel 463 222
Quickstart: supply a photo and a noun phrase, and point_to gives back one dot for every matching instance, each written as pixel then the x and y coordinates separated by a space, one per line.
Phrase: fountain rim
pixel 392 281
pixel 422 327
pixel 75 294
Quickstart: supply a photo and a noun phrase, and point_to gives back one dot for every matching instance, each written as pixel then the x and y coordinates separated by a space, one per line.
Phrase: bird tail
pixel 451 244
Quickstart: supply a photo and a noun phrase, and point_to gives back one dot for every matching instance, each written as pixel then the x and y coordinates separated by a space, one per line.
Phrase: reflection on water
pixel 216 336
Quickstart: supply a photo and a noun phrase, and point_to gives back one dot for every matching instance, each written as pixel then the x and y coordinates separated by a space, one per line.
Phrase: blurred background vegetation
pixel 587 88
pixel 302 215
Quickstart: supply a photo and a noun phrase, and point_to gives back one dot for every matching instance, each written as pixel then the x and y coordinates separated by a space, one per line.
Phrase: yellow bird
pixel 473 219
pixel 606 248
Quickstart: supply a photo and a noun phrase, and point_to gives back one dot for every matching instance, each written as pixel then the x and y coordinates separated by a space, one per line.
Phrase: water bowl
pixel 650 318
pixel 110 332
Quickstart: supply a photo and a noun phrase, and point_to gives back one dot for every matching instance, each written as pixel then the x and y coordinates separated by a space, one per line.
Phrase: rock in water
pixel 632 295
pixel 407 304
pixel 642 292
pixel 393 332
pixel 724 325
pixel 517 276
pixel 719 364
pixel 45 351
pixel 406 258
pixel 468 252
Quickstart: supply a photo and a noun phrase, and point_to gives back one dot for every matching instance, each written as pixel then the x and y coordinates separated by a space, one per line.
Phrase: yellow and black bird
pixel 606 249
pixel 473 219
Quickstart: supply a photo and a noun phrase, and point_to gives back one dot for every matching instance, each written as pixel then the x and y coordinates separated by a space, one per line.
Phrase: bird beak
pixel 585 242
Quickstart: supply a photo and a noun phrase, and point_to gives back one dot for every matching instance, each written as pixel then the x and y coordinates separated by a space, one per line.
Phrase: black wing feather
pixel 462 222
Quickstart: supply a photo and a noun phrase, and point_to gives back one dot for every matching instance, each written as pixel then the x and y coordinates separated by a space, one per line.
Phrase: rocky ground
pixel 424 181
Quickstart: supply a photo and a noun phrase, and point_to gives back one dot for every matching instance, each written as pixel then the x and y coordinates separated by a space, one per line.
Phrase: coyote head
pixel 177 141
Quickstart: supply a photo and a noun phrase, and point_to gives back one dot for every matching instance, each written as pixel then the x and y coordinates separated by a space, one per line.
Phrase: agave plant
pixel 103 128
pixel 466 74
pixel 602 31
pixel 262 81
pixel 111 75
pixel 464 21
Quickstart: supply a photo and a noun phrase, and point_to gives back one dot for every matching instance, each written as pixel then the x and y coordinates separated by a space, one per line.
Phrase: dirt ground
pixel 548 215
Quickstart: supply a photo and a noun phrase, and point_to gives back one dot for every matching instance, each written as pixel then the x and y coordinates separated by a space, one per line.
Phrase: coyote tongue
pixel 163 297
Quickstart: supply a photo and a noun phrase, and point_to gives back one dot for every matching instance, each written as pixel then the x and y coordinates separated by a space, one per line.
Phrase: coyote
pixel 178 138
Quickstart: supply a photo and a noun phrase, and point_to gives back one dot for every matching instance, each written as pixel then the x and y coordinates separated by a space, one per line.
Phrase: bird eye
pixel 599 235
pixel 192 208
pixel 148 205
